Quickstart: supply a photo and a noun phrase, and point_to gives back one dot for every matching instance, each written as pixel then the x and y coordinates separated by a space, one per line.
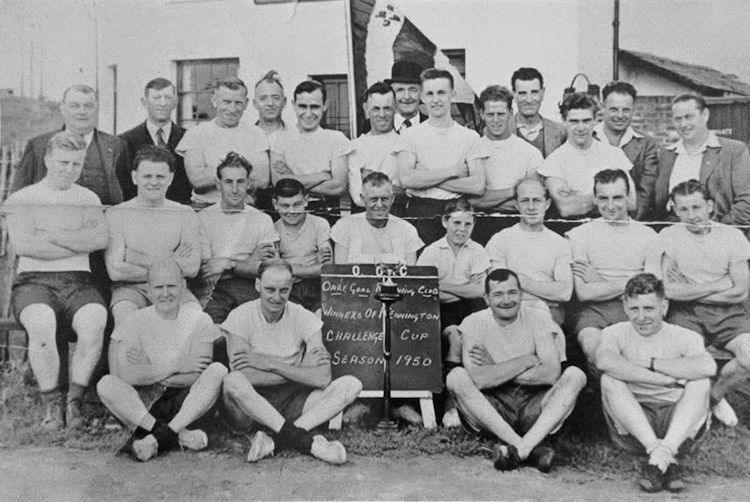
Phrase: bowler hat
pixel 405 72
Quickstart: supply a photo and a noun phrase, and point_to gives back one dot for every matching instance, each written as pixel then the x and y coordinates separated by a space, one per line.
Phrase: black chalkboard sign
pixel 353 326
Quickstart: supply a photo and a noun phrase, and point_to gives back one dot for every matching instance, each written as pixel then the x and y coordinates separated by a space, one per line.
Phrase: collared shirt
pixel 398 122
pixel 530 132
pixel 153 129
pixel 687 166
pixel 88 138
pixel 455 268
pixel 629 134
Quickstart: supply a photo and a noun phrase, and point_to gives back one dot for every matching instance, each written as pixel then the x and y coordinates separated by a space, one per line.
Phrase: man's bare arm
pixel 238 351
pixel 118 268
pixel 411 177
pixel 26 242
pixel 567 203
pixel 201 177
pixel 337 184
pixel 92 236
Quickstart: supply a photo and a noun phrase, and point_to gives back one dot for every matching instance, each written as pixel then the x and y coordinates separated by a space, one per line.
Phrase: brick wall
pixel 653 117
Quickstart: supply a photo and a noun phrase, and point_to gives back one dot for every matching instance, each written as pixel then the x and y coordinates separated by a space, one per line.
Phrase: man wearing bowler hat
pixel 407 87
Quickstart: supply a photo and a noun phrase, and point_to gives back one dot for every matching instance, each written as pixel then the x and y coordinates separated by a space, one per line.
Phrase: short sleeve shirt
pixel 311 152
pixel 368 244
pixel 300 246
pixel 376 153
pixel 671 342
pixel 286 339
pixel 578 167
pixel 455 268
pixel 510 160
pixel 235 235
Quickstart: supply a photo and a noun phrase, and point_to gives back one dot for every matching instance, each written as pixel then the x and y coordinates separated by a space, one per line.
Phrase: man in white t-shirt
pixel 511 159
pixel 376 150
pixel 512 386
pixel 269 100
pixel 148 228
pixel 239 237
pixel 53 225
pixel 607 252
pixel 569 171
pixel 706 280
pixel 206 144
pixel 281 372
pixel 375 236
pixel 442 159
pixel 168 348
pixel 540 257
pixel 312 155
pixel 655 383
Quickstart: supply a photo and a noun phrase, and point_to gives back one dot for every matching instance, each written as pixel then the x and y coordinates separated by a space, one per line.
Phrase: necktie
pixel 160 138
pixel 407 123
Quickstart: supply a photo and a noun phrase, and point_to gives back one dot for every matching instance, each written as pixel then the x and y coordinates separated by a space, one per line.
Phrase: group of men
pixel 416 182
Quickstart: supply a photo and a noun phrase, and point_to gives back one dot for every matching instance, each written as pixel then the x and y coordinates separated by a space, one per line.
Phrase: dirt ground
pixel 62 474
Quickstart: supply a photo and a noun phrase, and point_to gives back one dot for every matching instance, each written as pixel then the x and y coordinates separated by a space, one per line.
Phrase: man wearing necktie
pixel 407 87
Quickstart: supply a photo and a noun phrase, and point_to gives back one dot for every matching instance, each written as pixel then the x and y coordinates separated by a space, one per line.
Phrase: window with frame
pixel 196 80
pixel 337 94
pixel 457 57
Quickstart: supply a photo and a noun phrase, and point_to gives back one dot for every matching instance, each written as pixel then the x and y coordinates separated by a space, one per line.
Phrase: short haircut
pixel 619 87
pixel 499 275
pixel 82 88
pixel 578 101
pixel 308 87
pixel 288 187
pixel 689 187
pixel 699 100
pixel 376 179
pixel 272 77
pixel 65 140
pixel 234 159
pixel 153 153
pixel 644 284
pixel 525 73
pixel 457 205
pixel 378 88
pixel 533 179
pixel 609 176
pixel 496 93
pixel 434 73
pixel 231 83
pixel 274 263
pixel 157 84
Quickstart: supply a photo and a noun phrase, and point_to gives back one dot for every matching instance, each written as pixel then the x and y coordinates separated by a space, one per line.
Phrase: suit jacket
pixel 101 179
pixel 555 134
pixel 138 137
pixel 725 172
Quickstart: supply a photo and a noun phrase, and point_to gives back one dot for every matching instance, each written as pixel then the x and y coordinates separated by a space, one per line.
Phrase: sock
pixel 166 437
pixel 291 436
pixel 50 396
pixel 76 391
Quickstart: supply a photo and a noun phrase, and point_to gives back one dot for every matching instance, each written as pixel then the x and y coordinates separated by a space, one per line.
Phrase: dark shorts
pixel 64 292
pixel 519 405
pixel 719 324
pixel 659 416
pixel 229 294
pixel 599 315
pixel 288 399
pixel 452 314
pixel 307 293
pixel 168 405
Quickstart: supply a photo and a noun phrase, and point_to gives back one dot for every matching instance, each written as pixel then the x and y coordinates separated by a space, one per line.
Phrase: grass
pixel 585 447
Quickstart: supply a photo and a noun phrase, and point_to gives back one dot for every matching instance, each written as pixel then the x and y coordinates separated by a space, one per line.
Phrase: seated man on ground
pixel 281 372
pixel 655 383
pixel 148 228
pixel 168 348
pixel 53 225
pixel 305 241
pixel 512 386
pixel 375 236
pixel 462 266
pixel 706 280
pixel 239 238
pixel 607 252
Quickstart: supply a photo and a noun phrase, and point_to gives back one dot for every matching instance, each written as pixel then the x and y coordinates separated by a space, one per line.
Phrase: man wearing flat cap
pixel 407 87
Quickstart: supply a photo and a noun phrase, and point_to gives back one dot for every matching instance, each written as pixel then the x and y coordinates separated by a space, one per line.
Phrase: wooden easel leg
pixel 427 407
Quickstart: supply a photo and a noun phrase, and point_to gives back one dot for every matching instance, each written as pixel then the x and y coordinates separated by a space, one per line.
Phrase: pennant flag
pixel 382 35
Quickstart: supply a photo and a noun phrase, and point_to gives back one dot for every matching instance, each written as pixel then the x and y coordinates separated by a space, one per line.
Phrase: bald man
pixel 163 350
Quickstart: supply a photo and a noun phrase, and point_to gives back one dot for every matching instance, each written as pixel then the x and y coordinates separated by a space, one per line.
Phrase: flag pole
pixel 350 69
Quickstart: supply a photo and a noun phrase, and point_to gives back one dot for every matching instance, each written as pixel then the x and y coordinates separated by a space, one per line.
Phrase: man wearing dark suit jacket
pixel 722 165
pixel 407 87
pixel 159 100
pixel 106 155
pixel 545 134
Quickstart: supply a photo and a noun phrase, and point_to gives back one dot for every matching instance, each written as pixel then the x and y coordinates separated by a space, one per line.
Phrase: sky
pixel 50 43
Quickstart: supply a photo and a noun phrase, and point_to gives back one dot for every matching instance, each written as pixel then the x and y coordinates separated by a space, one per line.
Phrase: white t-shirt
pixel 287 339
pixel 440 148
pixel 235 235
pixel 510 161
pixel 578 167
pixel 376 153
pixel 368 244
pixel 615 251
pixel 537 255
pixel 52 210
pixel 166 342
pixel 455 268
pixel 705 258
pixel 671 342
pixel 311 152
pixel 300 246
pixel 215 142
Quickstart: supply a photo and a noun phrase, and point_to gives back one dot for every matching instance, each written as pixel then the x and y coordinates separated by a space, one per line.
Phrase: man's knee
pixel 39 320
pixel 573 378
pixel 235 384
pixel 589 339
pixel 216 372
pixel 108 386
pixel 350 385
pixel 741 351
pixel 122 309
pixel 458 380
pixel 700 386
